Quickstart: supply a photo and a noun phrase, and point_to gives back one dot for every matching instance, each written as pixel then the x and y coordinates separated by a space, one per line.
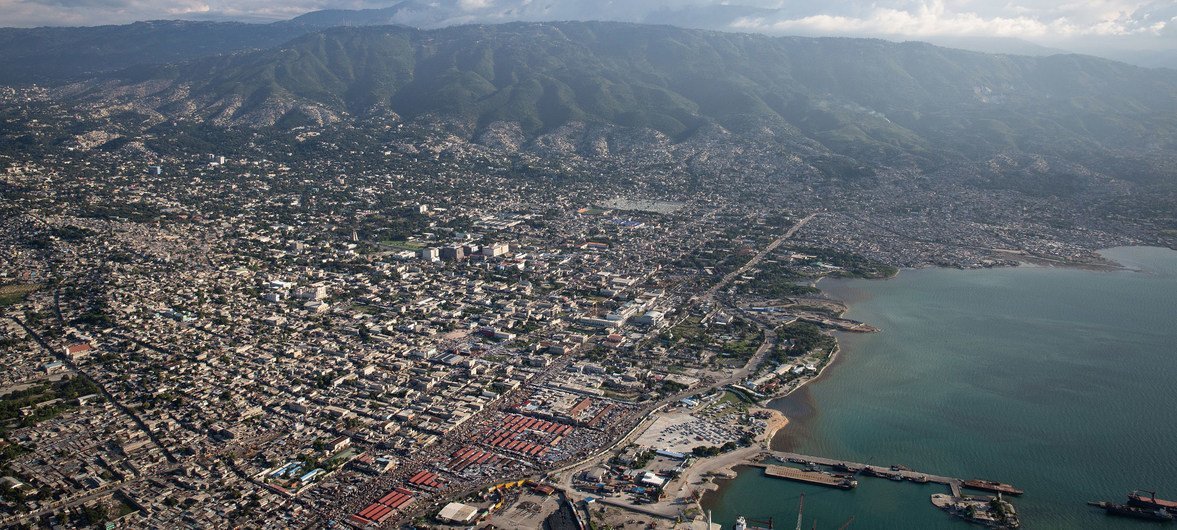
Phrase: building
pixel 314 292
pixel 338 444
pixel 456 512
pixel 79 350
pixel 495 250
pixel 452 253
pixel 430 254
pixel 651 318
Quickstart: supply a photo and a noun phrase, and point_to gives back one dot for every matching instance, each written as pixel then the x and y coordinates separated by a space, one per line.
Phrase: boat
pixel 1137 512
pixel 843 466
pixel 1148 499
pixel 742 524
pixel 989 485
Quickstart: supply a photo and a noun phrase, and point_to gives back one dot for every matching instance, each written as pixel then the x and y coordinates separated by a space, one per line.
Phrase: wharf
pixel 811 477
pixel 954 484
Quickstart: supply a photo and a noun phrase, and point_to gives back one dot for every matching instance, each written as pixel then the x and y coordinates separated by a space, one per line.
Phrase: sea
pixel 1060 381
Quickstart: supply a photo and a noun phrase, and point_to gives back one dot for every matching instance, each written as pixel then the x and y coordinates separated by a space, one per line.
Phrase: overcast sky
pixel 1132 23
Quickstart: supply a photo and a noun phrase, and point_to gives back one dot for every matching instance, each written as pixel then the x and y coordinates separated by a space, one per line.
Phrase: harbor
pixel 895 472
pixel 994 512
pixel 886 400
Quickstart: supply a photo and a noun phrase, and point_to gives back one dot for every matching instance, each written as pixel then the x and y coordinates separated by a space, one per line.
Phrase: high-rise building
pixel 495 250
pixel 452 253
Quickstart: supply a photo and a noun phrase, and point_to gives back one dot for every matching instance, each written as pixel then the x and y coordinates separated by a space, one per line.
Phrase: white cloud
pixel 939 18
pixel 1038 20
pixel 473 5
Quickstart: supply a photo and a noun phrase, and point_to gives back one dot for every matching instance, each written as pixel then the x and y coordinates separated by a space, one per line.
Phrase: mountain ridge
pixel 859 97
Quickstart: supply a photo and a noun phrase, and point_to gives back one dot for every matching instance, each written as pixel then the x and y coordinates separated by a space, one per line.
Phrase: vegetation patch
pixel 13 294
pixel 403 245
pixel 804 338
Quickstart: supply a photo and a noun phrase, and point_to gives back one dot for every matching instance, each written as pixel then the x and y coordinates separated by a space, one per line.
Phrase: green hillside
pixel 860 97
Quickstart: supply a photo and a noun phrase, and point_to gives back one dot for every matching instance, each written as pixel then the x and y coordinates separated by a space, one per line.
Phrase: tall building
pixel 495 250
pixel 429 254
pixel 452 253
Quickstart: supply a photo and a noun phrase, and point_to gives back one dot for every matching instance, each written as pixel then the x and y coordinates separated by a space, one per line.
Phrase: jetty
pixel 892 472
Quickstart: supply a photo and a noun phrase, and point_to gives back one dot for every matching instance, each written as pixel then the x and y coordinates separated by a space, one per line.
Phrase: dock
pixel 810 477
pixel 954 484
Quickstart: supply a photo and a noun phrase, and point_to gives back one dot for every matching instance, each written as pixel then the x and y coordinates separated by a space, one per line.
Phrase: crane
pixel 800 511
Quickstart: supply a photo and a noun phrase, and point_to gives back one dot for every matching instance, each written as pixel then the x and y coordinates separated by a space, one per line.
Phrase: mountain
pixel 55 54
pixel 1002 45
pixel 864 98
pixel 408 13
pixel 52 55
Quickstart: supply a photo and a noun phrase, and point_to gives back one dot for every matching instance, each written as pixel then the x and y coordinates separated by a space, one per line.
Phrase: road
pixel 65 359
pixel 566 473
pixel 757 258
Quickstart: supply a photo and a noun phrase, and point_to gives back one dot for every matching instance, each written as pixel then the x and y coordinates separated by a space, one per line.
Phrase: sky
pixel 1070 24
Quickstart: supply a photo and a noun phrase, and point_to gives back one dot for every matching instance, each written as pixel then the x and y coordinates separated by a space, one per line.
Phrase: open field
pixel 12 294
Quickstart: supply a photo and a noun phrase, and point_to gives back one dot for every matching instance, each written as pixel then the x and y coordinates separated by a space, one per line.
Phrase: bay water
pixel 1060 381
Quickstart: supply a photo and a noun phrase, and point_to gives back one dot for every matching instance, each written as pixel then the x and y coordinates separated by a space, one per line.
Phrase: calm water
pixel 1062 382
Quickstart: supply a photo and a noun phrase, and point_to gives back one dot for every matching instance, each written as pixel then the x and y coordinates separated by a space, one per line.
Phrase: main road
pixel 564 475
pixel 758 257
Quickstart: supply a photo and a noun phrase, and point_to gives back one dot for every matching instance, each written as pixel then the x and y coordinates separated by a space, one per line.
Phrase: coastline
pixel 725 471
pixel 710 474
pixel 714 473
pixel 718 471
pixel 727 494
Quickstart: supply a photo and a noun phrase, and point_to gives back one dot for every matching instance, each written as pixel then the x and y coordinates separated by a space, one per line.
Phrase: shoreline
pixel 713 474
pixel 718 484
pixel 703 479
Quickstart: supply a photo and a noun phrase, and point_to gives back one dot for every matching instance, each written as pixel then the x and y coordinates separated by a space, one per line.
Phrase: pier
pixel 954 484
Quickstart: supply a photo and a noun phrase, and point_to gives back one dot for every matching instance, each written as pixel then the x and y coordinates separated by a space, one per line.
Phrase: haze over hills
pixel 53 54
pixel 1044 125
pixel 869 99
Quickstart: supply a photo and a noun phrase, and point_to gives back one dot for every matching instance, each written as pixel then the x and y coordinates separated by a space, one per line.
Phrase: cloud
pixel 1037 20
pixel 942 18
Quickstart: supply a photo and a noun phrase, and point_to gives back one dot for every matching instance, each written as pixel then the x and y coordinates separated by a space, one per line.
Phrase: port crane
pixel 800 511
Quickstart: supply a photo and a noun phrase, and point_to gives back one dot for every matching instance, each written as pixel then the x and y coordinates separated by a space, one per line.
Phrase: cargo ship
pixel 989 485
pixel 1148 499
pixel 1124 510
